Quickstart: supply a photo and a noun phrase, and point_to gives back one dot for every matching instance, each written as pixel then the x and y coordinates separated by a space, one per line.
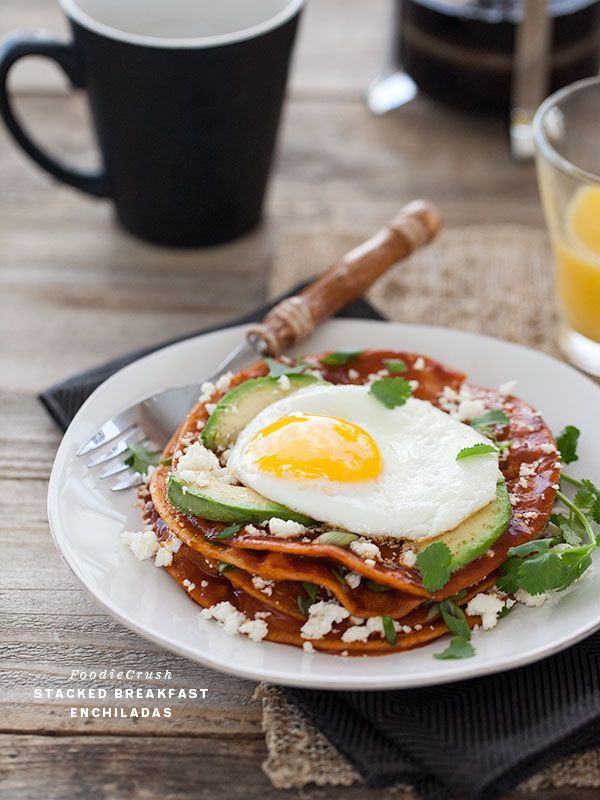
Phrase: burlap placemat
pixel 495 279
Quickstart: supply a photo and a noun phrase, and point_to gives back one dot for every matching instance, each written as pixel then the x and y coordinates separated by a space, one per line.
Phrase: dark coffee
pixel 185 98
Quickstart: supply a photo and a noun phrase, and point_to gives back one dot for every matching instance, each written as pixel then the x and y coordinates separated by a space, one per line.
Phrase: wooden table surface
pixel 75 290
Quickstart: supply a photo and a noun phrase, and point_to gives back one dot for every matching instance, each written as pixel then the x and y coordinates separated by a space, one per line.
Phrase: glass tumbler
pixel 567 136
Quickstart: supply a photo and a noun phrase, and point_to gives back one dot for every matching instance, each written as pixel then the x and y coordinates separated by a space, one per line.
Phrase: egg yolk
pixel 311 446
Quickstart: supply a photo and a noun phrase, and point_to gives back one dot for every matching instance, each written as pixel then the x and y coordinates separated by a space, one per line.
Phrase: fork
pixel 153 419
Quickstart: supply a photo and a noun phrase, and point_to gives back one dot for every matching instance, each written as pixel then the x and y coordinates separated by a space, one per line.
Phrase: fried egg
pixel 336 454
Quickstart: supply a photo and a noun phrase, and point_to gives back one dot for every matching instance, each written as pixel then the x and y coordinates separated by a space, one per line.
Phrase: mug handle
pixel 18 46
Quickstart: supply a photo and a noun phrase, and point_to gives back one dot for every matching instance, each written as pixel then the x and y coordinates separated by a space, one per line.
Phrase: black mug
pixel 185 97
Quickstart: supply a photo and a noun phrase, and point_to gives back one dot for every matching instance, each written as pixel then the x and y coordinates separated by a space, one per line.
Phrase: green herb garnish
pixel 391 392
pixel 389 629
pixel 434 565
pixel 459 647
pixel 339 573
pixel 555 562
pixel 278 368
pixel 303 605
pixel 166 462
pixel 395 365
pixel 227 533
pixel 223 567
pixel 341 357
pixel 455 618
pixel 486 422
pixel 476 450
pixel 140 458
pixel 338 538
pixel 311 590
pixel 567 444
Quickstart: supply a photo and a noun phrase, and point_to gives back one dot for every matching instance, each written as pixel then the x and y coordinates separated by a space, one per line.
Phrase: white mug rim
pixel 76 14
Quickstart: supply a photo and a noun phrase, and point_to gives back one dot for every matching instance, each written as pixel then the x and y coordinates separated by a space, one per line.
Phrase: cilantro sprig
pixel 279 368
pixel 567 444
pixel 434 565
pixel 395 365
pixel 476 450
pixel 460 645
pixel 487 422
pixel 140 458
pixel 341 357
pixel 391 392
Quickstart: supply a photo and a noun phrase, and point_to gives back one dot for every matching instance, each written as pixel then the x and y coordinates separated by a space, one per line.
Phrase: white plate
pixel 87 519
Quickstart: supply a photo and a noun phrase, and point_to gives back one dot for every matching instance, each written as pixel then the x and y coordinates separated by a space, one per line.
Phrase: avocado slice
pixel 240 405
pixel 474 537
pixel 221 502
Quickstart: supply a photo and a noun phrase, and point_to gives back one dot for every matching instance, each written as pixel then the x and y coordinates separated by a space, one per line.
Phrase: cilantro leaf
pixel 391 392
pixel 278 368
pixel 303 605
pixel 389 629
pixel 571 530
pixel 476 450
pixel 486 421
pixel 434 565
pixel 139 458
pixel 459 647
pixel 567 444
pixel 311 590
pixel 227 533
pixel 339 572
pixel 395 365
pixel 341 357
pixel 536 546
pixel 541 573
pixel 455 619
pixel 509 579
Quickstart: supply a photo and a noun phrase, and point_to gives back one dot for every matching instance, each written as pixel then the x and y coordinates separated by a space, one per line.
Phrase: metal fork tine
pixel 121 447
pixel 109 431
pixel 128 482
pixel 120 466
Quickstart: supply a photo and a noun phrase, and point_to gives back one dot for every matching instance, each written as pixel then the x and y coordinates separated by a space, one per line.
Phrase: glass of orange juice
pixel 567 134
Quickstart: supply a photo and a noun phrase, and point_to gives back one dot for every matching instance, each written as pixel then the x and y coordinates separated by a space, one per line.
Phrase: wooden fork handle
pixel 296 317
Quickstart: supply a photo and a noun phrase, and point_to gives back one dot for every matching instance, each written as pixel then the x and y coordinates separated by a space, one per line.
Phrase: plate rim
pixel 464 670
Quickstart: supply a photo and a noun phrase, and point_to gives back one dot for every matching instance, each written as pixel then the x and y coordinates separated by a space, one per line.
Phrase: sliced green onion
pixel 377 587
pixel 388 629
pixel 227 533
pixel 338 538
pixel 224 567
pixel 311 590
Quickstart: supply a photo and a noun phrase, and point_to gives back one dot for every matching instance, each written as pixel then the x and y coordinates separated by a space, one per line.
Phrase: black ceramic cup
pixel 185 97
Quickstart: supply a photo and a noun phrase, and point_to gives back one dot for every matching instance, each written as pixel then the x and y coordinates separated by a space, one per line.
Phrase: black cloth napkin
pixel 469 740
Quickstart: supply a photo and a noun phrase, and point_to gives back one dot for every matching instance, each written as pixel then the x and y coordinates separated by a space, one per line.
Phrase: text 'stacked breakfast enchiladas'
pixel 364 502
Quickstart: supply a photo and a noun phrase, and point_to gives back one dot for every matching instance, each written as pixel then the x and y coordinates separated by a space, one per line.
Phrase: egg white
pixel 422 490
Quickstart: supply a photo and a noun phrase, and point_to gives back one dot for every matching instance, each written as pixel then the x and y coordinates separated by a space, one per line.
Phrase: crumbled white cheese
pixel 200 424
pixel 189 585
pixel 164 556
pixel 409 558
pixel 356 620
pixel 284 382
pixel 224 382
pixel 360 633
pixel 321 618
pixel 199 464
pixel 143 544
pixel 210 407
pixel 486 606
pixel 531 600
pixel 252 530
pixel 204 584
pixel 353 579
pixel 207 390
pixel 461 405
pixel 414 385
pixel 547 447
pixel 370 562
pixel 508 387
pixel 235 622
pixel 308 647
pixel 353 374
pixel 364 549
pixel 469 409
pixel 266 587
pixel 526 470
pixel 419 364
pixel 285 528
pixel 256 629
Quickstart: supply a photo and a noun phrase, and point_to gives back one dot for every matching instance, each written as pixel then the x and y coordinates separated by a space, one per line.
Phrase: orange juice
pixel 578 264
